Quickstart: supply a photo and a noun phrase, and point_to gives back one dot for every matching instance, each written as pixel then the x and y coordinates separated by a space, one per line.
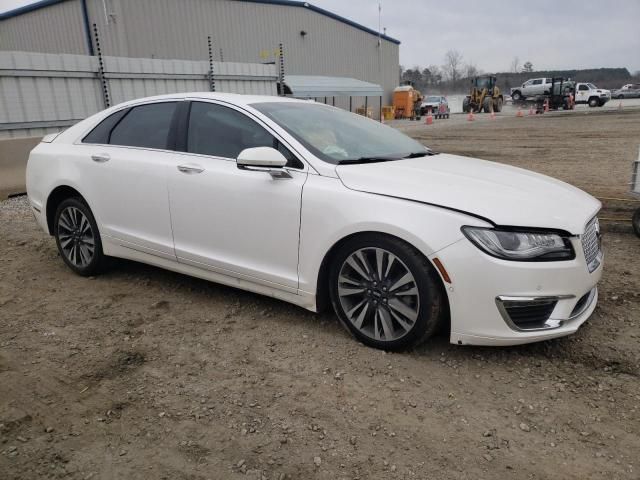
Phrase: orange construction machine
pixel 406 102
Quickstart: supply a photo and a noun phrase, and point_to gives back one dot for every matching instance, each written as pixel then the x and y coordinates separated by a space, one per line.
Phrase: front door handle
pixel 100 158
pixel 190 168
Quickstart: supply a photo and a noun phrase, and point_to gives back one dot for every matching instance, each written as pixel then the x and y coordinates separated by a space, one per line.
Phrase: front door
pixel 236 222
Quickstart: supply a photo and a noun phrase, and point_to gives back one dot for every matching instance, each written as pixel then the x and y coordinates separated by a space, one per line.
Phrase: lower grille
pixel 531 314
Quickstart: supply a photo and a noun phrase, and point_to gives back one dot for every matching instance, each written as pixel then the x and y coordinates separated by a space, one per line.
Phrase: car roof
pixel 235 98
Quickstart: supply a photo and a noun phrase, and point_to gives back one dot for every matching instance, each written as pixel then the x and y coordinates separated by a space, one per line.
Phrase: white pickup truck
pixel 589 93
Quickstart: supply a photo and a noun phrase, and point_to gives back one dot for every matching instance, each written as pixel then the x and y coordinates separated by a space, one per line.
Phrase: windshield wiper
pixel 428 153
pixel 352 161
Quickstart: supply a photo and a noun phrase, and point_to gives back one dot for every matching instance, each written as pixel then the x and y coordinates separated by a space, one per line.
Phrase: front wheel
pixel 385 292
pixel 594 102
pixel 516 96
pixel 78 238
pixel 636 222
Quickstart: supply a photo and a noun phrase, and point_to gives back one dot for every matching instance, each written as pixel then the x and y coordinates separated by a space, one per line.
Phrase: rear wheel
pixel 78 238
pixel 385 292
pixel 499 103
pixel 466 105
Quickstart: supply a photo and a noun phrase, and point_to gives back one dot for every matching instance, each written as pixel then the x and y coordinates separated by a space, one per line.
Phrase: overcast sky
pixel 548 33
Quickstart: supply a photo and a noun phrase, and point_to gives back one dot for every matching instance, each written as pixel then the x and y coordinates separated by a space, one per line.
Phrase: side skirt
pixel 302 299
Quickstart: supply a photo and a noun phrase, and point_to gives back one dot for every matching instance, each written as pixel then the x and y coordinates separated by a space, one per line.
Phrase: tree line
pixel 455 75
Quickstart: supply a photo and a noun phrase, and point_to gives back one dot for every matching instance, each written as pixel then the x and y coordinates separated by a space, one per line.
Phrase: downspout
pixel 87 27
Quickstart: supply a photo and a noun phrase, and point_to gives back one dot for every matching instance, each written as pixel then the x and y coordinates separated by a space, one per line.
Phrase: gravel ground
pixel 143 373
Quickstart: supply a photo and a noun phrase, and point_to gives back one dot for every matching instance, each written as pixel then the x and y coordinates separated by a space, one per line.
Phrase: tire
pixel 498 106
pixel 78 238
pixel 635 221
pixel 516 96
pixel 486 105
pixel 594 102
pixel 465 105
pixel 363 299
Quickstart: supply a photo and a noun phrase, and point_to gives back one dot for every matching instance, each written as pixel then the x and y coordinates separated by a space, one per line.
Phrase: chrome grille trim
pixel 591 244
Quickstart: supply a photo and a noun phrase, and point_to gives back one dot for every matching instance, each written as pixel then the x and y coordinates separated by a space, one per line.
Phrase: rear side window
pixel 145 126
pixel 223 132
pixel 100 134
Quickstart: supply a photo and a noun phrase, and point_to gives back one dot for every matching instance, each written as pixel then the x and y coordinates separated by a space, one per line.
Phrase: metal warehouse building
pixel 316 42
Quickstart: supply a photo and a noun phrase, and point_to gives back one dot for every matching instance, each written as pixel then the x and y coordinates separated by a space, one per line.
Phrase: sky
pixel 551 34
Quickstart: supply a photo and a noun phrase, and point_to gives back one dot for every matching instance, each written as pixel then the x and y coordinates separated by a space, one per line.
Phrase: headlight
pixel 520 245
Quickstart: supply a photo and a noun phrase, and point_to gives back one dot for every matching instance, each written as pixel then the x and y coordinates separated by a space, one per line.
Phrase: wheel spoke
pixel 400 320
pixel 361 316
pixel 406 278
pixel 376 328
pixel 411 291
pixel 385 320
pixel 390 259
pixel 353 264
pixel 379 261
pixel 344 292
pixel 354 309
pixel 403 309
pixel 365 263
pixel 344 279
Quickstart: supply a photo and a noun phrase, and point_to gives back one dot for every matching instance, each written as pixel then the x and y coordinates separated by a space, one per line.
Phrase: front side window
pixel 537 82
pixel 144 126
pixel 583 87
pixel 224 132
pixel 335 135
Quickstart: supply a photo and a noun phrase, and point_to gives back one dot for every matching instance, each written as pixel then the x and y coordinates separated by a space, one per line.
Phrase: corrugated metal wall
pixel 42 93
pixel 245 31
pixel 57 28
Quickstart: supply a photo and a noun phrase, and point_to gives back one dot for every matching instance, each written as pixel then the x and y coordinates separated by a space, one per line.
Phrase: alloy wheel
pixel 378 294
pixel 76 237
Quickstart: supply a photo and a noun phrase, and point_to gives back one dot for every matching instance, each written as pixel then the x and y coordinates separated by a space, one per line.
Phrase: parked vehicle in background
pixel 318 206
pixel 439 106
pixel 531 88
pixel 626 93
pixel 590 94
pixel 631 86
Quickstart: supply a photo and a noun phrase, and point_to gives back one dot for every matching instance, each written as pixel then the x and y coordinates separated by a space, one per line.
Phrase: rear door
pixel 125 161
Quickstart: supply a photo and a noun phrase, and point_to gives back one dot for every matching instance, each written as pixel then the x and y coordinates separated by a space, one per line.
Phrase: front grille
pixel 527 315
pixel 591 244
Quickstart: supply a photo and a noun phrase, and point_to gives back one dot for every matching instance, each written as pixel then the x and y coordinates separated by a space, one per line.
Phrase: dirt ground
pixel 143 373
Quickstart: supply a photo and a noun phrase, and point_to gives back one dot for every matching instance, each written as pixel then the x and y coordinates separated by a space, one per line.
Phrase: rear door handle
pixel 100 158
pixel 190 168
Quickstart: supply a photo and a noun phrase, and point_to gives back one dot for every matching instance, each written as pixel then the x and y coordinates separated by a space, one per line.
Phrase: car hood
pixel 503 194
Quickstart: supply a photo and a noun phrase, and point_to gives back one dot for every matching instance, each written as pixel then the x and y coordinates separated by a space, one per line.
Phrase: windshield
pixel 592 86
pixel 432 99
pixel 337 136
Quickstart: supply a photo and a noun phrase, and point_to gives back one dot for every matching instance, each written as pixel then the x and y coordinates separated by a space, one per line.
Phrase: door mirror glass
pixel 265 157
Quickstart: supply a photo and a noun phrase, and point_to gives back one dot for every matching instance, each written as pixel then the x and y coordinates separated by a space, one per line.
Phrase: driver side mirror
pixel 263 159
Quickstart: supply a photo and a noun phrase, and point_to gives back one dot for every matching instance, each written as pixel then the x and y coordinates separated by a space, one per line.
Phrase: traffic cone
pixel 546 106
pixel 620 105
pixel 471 117
pixel 492 116
pixel 531 114
pixel 519 114
pixel 429 118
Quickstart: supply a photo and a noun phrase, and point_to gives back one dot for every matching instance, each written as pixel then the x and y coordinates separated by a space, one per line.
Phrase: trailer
pixel 561 95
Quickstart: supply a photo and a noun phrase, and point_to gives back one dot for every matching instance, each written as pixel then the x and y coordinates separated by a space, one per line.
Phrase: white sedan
pixel 316 206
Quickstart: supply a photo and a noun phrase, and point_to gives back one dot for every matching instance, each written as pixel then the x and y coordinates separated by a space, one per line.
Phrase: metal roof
pixel 289 3
pixel 314 86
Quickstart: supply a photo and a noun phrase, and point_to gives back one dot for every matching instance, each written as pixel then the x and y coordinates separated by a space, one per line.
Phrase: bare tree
pixel 452 66
pixel 470 70
pixel 527 67
pixel 515 65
